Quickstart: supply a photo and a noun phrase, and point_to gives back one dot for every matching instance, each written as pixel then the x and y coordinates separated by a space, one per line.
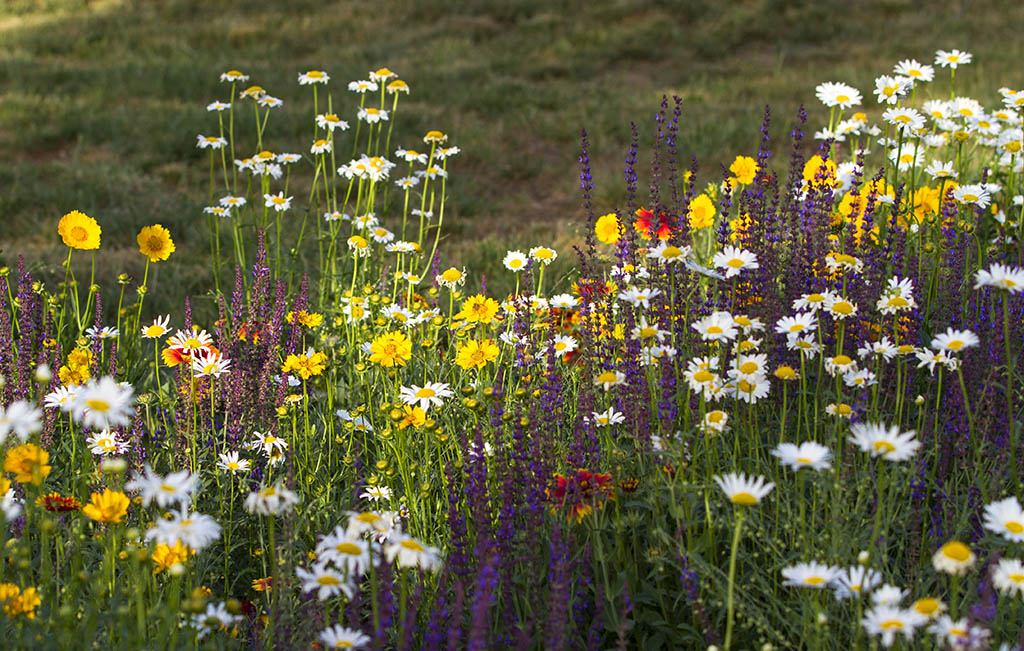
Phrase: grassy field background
pixel 101 100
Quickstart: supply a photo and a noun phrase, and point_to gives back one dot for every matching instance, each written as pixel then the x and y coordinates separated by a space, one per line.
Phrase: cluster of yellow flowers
pixel 19 602
pixel 76 370
pixel 80 231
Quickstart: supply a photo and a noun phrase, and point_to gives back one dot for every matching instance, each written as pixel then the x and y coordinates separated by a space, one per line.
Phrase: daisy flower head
pixel 973 194
pixel 409 552
pixel 1006 518
pixel 898 296
pixel 1001 276
pixel 217 106
pixel 20 418
pixel 744 491
pixel 608 379
pixel 889 621
pixel 346 549
pixel 444 153
pixel 796 324
pixel 953 558
pixel 330 122
pixel 271 500
pixel 812 302
pixel 376 493
pixel 382 74
pixel 564 344
pixel 278 202
pixel 810 575
pixel 889 90
pixel 839 307
pixel 1008 576
pixel 885 442
pixel 105 443
pixel 959 634
pixel 840 365
pixel 210 142
pixel 955 340
pixel 734 260
pixel 638 297
pixel 165 491
pixel 809 454
pixel 855 581
pixel 834 94
pixel 313 77
pixel 914 71
pixel 362 86
pixel 429 395
pixel 717 326
pixel 232 202
pixel 607 417
pixel 210 363
pixel 952 59
pixel 397 86
pixel 563 301
pixel 195 530
pixel 906 120
pixel 515 261
pixel 452 277
pixel 543 255
pixel 839 409
pixel 103 403
pixel 372 115
pixel 267 442
pixel 906 158
pixel 230 462
pixel 269 101
pixel 668 253
pixel 340 637
pixel 233 76
pixel 215 618
pixel 324 581
pixel 715 421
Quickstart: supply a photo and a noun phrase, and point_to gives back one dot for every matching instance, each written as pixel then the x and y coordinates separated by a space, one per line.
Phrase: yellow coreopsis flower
pixel 165 556
pixel 108 506
pixel 476 354
pixel 412 416
pixel 391 349
pixel 478 309
pixel 818 167
pixel 701 212
pixel 28 464
pixel 79 231
pixel 155 242
pixel 607 228
pixel 305 365
pixel 16 602
pixel 745 169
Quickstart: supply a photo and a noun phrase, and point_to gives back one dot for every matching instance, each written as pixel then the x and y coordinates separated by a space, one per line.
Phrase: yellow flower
pixel 702 212
pixel 155 242
pixel 164 556
pixel 745 169
pixel 76 371
pixel 108 506
pixel 79 231
pixel 786 373
pixel 304 318
pixel 305 365
pixel 816 167
pixel 412 416
pixel 16 602
pixel 473 354
pixel 607 228
pixel 435 136
pixel 28 464
pixel 391 349
pixel 477 309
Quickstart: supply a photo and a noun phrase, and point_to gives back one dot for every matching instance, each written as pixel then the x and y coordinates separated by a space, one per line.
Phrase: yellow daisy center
pixel 748 367
pixel 98 405
pixel 327 580
pixel 814 580
pixel 884 447
pixel 957 551
pixel 744 499
pixel 891 624
pixel 714 330
pixel 426 392
pixel 842 307
pixel 1014 527
pixel 412 545
pixel 349 548
pixel 735 263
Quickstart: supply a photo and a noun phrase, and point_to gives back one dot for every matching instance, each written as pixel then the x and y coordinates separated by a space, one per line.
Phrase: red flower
pixel 645 223
pixel 581 492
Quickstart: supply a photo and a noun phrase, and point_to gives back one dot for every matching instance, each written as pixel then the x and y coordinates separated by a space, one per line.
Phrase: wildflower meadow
pixel 775 405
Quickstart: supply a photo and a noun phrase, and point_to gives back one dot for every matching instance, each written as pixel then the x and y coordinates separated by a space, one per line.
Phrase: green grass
pixel 101 99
